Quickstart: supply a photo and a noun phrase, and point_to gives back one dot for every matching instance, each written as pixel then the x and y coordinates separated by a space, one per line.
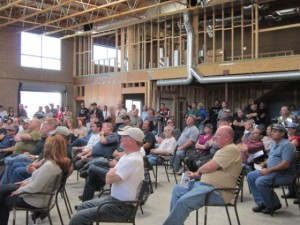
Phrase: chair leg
pixel 67 203
pixel 59 214
pixel 197 222
pixel 228 215
pixel 156 176
pixel 174 174
pixel 237 215
pixel 49 218
pixel 14 216
pixel 205 215
pixel 27 217
pixel 282 187
pixel 167 173
pixel 142 211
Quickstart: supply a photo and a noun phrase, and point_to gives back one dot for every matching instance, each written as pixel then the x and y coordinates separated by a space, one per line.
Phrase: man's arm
pixel 285 164
pixel 208 167
pixel 112 177
pixel 186 145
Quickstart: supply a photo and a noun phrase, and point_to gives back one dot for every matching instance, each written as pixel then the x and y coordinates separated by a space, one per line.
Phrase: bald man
pixel 220 172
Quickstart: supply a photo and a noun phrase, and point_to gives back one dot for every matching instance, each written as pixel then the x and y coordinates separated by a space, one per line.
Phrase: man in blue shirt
pixel 281 163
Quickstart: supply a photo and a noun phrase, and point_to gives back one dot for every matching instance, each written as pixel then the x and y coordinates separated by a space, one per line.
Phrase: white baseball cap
pixel 136 133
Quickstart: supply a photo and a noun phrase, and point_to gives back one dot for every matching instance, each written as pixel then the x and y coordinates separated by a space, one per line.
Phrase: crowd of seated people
pixel 95 148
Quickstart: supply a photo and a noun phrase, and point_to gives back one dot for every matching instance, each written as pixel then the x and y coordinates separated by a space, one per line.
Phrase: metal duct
pixel 189 79
pixel 292 75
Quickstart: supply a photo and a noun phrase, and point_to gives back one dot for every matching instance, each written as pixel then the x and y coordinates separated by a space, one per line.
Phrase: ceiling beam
pixel 10 5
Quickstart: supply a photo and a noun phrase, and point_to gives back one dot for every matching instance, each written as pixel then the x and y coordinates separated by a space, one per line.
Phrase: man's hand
pixel 193 175
pixel 30 169
pixel 264 171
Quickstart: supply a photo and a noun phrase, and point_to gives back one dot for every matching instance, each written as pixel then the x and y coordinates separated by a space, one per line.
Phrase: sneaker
pixel 180 172
pixel 289 195
pixel 296 202
pixel 37 221
pixel 268 211
pixel 258 208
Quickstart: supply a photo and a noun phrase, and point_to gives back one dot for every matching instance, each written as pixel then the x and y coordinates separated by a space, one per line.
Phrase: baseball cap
pixel 25 121
pixel 279 127
pixel 12 127
pixel 136 133
pixel 291 125
pixel 126 117
pixel 61 130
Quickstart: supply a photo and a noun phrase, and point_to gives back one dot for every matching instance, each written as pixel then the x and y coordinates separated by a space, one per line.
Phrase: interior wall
pixel 12 73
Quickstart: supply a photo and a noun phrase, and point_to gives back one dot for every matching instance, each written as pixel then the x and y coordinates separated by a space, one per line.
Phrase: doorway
pixel 33 99
pixel 134 99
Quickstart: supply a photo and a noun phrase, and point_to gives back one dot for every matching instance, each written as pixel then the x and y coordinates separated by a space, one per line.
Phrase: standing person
pixel 281 163
pixel 42 180
pixel 252 113
pixel 238 126
pixel 220 172
pixel 213 115
pixel 204 117
pixel 120 112
pixel 194 111
pixel 106 114
pixel 262 114
pixel 96 112
pixel 144 113
pixel 125 180
pixel 59 113
pixel 222 111
pixel 164 113
pixel 53 110
pixel 83 113
pixel 22 112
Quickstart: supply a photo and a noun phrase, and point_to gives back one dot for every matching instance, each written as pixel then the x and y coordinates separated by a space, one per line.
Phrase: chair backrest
pixel 239 185
pixel 146 187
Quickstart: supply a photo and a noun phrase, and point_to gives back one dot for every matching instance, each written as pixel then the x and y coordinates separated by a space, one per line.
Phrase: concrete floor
pixel 157 207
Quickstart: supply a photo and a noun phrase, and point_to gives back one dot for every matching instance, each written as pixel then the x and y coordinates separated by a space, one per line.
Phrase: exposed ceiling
pixel 67 18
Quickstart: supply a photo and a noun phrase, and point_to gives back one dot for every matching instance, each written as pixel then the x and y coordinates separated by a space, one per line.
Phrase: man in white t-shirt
pixel 125 180
pixel 166 148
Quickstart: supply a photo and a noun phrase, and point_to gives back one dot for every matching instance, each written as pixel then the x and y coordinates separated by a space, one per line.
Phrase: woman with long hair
pixel 81 131
pixel 42 180
pixel 11 112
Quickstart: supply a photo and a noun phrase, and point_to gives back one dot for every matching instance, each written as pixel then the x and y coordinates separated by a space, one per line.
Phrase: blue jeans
pixel 95 180
pixel 152 158
pixel 185 201
pixel 260 187
pixel 20 173
pixel 9 170
pixel 87 212
pixel 178 158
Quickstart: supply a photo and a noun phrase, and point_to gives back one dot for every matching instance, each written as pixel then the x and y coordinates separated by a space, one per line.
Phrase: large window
pixel 40 51
pixel 106 56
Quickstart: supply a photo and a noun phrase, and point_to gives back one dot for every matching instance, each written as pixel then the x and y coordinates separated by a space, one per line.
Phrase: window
pixel 106 56
pixel 40 51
